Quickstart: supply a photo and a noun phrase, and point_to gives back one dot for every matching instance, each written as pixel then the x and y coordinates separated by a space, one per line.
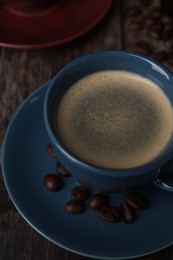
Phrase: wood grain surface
pixel 23 71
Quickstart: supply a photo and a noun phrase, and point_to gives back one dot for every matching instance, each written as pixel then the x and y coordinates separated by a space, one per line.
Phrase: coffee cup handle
pixel 160 183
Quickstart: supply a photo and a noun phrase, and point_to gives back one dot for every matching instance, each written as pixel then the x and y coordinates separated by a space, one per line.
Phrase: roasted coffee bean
pixel 143 47
pixel 149 20
pixel 167 31
pixel 133 11
pixel 62 171
pixel 97 201
pixel 109 214
pixel 167 35
pixel 126 213
pixel 52 182
pixel 80 193
pixel 168 27
pixel 135 25
pixel 50 150
pixel 136 201
pixel 157 27
pixel 161 56
pixel 156 12
pixel 145 2
pixel 155 33
pixel 166 20
pixel 170 61
pixel 75 207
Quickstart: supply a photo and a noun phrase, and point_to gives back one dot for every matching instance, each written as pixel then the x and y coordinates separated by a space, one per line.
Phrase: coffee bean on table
pixel 127 213
pixel 75 207
pixel 145 2
pixel 97 201
pixel 166 20
pixel 155 33
pixel 51 150
pixel 170 61
pixel 80 193
pixel 136 201
pixel 134 25
pixel 52 182
pixel 161 56
pixel 156 12
pixel 62 171
pixel 168 26
pixel 133 11
pixel 143 47
pixel 167 34
pixel 149 20
pixel 109 214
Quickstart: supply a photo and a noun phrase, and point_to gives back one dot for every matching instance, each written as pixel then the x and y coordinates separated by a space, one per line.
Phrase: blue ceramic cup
pixel 98 178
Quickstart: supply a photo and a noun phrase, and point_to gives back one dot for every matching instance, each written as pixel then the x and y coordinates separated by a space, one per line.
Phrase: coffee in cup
pixel 115 119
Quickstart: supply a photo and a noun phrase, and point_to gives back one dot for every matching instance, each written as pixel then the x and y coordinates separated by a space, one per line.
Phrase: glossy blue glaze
pixel 99 178
pixel 25 161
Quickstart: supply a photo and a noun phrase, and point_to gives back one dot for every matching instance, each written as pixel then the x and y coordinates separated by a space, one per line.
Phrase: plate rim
pixel 13 44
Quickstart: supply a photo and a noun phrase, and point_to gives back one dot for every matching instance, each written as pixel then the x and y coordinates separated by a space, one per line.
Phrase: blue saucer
pixel 26 162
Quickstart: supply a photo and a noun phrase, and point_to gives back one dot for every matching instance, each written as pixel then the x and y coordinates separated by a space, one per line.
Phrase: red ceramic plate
pixel 62 22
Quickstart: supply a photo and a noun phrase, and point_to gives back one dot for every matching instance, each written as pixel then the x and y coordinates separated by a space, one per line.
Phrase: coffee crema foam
pixel 115 119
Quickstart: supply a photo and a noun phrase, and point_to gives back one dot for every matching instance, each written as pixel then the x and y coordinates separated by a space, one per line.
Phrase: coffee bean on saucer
pixel 80 193
pixel 61 170
pixel 126 213
pixel 97 201
pixel 52 182
pixel 75 207
pixel 109 214
pixel 137 201
pixel 50 150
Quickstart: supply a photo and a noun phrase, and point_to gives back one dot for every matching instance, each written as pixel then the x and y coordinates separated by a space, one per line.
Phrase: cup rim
pixel 159 161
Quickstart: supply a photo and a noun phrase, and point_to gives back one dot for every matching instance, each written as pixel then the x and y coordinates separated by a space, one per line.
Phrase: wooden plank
pixel 21 72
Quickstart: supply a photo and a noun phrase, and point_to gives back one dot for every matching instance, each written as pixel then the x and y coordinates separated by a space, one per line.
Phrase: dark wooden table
pixel 128 25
